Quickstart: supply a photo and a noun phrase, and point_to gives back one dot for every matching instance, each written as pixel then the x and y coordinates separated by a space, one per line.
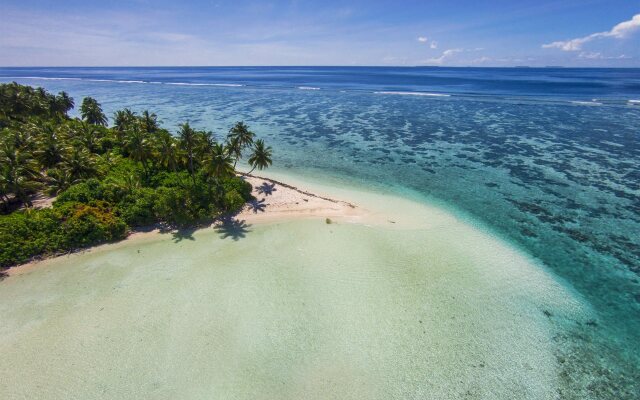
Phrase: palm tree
pixel 18 171
pixel 138 146
pixel 59 180
pixel 91 112
pixel 188 141
pixel 50 147
pixel 167 150
pixel 241 137
pixel 218 166
pixel 234 149
pixel 80 164
pixel 206 141
pixel 89 136
pixel 219 163
pixel 63 103
pixel 149 121
pixel 261 156
pixel 122 121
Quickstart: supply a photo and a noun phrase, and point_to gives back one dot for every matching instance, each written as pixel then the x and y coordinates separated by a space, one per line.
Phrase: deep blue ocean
pixel 547 158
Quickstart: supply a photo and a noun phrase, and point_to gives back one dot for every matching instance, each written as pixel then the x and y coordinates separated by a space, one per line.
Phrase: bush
pixel 233 201
pixel 27 234
pixel 242 187
pixel 136 209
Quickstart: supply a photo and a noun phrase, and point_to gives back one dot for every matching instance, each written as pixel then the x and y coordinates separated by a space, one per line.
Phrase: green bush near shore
pixel 107 179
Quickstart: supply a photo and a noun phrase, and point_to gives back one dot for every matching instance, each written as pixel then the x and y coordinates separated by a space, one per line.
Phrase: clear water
pixel 546 158
pixel 432 309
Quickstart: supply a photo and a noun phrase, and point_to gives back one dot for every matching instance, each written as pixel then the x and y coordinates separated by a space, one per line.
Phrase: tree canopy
pixel 108 179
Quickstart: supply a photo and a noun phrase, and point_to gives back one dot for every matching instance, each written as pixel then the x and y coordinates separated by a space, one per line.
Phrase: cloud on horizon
pixel 620 31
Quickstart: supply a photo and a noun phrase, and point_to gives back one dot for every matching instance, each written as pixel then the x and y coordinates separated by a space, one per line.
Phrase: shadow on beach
pixel 231 227
pixel 257 206
pixel 183 233
pixel 266 188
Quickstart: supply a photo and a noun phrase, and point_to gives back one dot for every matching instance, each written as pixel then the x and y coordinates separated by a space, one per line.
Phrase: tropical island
pixel 108 180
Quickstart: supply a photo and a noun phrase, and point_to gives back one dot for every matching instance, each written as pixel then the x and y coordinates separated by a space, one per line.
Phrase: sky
pixel 578 33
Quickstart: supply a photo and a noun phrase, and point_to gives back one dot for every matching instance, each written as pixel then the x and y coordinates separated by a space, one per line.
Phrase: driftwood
pixel 297 190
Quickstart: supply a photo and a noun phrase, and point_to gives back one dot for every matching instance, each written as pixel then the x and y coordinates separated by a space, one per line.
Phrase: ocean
pixel 546 159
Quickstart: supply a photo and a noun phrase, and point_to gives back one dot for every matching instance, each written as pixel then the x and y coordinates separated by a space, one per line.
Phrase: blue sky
pixel 448 33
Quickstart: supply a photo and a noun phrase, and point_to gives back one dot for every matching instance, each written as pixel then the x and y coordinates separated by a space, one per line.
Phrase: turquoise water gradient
pixel 555 175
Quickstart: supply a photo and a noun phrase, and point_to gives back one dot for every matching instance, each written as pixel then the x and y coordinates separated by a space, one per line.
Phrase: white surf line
pixel 413 94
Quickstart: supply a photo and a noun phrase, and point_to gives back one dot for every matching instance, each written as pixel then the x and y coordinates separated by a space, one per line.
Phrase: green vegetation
pixel 108 180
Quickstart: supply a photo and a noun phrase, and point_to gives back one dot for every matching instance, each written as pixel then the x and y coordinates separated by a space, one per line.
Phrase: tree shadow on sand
pixel 183 233
pixel 266 188
pixel 233 228
pixel 257 206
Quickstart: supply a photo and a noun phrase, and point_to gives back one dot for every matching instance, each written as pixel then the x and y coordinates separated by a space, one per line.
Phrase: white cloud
pixel 447 54
pixel 434 44
pixel 422 39
pixel 619 31
pixel 599 56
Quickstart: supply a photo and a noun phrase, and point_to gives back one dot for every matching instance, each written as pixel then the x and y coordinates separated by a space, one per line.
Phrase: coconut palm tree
pixel 79 163
pixel 91 112
pixel 59 180
pixel 166 150
pixel 241 137
pixel 219 163
pixel 261 156
pixel 89 136
pixel 206 141
pixel 218 166
pixel 63 103
pixel 138 145
pixel 149 121
pixel 50 147
pixel 234 149
pixel 188 141
pixel 18 171
pixel 122 121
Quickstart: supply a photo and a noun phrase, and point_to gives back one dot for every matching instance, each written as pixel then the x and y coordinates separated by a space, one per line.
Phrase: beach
pixel 282 304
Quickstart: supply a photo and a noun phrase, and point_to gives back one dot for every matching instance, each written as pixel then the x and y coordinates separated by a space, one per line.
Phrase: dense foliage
pixel 107 179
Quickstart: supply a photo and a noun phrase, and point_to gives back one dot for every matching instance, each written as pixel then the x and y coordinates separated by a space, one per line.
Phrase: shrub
pixel 233 201
pixel 26 234
pixel 242 187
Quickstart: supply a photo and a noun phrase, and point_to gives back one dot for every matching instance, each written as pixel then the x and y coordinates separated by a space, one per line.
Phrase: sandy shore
pixel 278 200
pixel 275 201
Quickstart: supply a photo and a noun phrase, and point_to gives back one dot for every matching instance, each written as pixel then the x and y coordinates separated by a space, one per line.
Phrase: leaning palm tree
pixel 91 112
pixel 261 156
pixel 234 149
pixel 241 137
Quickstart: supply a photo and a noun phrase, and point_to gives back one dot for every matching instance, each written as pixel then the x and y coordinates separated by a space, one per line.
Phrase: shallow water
pixel 429 309
pixel 523 153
